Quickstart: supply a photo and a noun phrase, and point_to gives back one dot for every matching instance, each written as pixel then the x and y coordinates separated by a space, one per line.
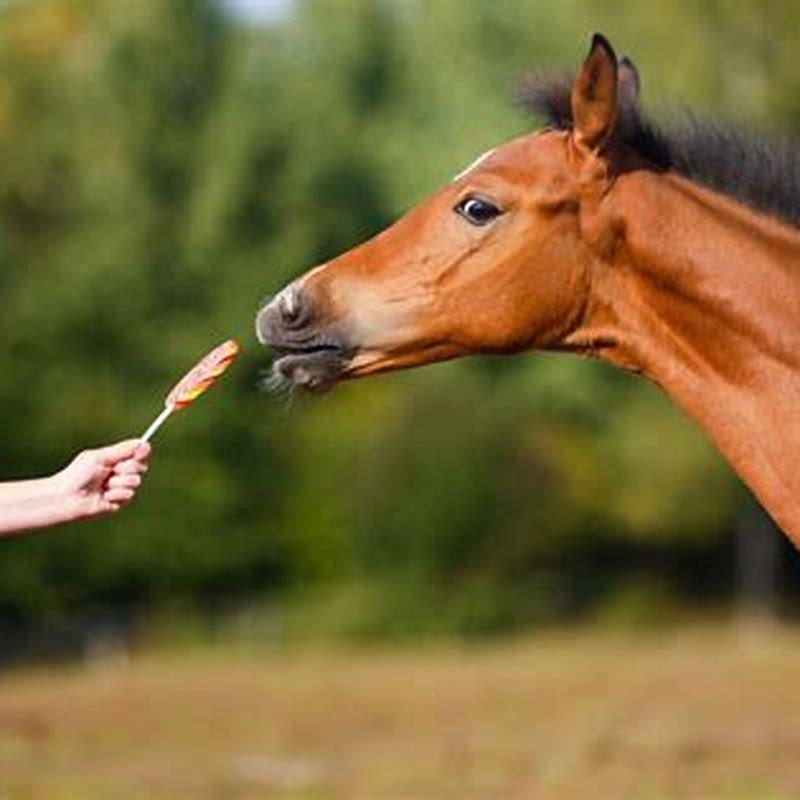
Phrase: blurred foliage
pixel 163 164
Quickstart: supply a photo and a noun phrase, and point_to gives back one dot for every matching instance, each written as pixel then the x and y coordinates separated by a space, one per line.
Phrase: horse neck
pixel 703 296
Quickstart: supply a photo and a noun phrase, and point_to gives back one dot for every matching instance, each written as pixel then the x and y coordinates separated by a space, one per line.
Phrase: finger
pixel 130 466
pixel 120 451
pixel 119 495
pixel 142 452
pixel 107 507
pixel 131 481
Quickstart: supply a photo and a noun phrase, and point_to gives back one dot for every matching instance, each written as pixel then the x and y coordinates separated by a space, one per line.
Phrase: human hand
pixel 103 480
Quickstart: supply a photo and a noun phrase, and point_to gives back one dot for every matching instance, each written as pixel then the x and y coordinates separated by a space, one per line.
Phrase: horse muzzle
pixel 308 353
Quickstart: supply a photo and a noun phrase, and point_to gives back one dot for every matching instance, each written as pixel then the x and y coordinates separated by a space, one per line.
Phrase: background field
pixel 708 712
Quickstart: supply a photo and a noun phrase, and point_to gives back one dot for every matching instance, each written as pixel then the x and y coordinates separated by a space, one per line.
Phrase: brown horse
pixel 672 254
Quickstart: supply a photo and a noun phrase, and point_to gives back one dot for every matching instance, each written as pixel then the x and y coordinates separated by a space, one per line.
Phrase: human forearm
pixel 19 491
pixel 38 503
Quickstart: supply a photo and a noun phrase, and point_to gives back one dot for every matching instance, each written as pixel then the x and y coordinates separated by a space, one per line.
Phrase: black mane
pixel 760 171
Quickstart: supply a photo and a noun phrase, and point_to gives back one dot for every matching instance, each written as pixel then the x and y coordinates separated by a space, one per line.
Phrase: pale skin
pixel 94 484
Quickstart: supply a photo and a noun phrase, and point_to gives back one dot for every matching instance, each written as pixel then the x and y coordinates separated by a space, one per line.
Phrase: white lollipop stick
pixel 157 423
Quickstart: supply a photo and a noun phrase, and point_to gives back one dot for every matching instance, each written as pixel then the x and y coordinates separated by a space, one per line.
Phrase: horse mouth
pixel 315 369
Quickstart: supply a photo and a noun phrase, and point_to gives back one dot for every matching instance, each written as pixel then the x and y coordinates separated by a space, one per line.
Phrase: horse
pixel 670 251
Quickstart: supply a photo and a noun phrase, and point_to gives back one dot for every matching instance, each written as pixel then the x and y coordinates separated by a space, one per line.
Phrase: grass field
pixel 700 713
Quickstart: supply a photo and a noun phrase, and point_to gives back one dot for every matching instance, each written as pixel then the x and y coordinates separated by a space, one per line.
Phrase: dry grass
pixel 704 713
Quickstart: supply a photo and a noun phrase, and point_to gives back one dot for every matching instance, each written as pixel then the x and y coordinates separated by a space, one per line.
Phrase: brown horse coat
pixel 597 235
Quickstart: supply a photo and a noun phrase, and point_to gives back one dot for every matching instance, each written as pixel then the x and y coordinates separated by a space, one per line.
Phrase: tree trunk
pixel 758 564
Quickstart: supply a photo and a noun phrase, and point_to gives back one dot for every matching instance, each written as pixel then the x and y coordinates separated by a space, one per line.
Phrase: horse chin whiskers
pixel 272 381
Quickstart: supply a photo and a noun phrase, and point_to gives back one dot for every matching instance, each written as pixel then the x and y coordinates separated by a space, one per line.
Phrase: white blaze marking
pixel 480 159
pixel 289 299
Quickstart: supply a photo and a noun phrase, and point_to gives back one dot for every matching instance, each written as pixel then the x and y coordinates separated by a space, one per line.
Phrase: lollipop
pixel 196 381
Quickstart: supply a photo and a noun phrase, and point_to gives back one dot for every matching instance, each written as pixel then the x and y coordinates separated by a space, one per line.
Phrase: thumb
pixel 114 453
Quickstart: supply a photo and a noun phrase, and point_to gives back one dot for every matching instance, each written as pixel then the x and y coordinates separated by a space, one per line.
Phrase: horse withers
pixel 672 253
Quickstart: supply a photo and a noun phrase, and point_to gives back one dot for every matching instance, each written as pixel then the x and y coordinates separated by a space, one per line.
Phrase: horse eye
pixel 477 211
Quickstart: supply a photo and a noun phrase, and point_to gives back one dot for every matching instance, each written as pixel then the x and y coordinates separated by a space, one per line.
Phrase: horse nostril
pixel 292 310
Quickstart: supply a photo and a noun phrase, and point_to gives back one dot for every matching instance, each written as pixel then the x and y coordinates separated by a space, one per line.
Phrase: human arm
pixel 95 483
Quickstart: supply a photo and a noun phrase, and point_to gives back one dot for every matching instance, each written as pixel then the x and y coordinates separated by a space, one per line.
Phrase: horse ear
pixel 629 85
pixel 594 96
